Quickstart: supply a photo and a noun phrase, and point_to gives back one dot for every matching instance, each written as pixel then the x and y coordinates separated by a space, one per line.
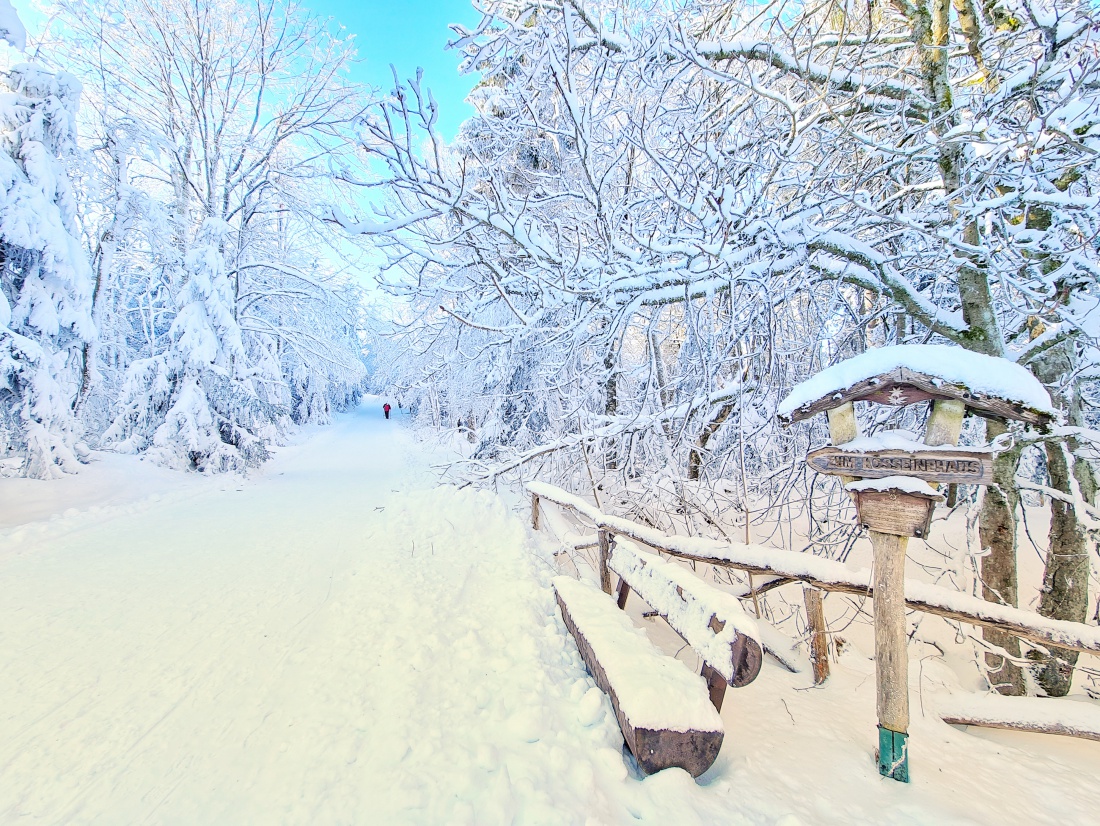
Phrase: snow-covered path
pixel 341 640
pixel 338 641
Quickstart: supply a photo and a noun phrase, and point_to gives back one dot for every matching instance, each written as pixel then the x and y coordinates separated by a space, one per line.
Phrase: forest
pixel 169 287
pixel 663 217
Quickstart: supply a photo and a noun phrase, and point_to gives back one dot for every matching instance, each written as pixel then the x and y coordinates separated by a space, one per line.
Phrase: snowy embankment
pixel 340 640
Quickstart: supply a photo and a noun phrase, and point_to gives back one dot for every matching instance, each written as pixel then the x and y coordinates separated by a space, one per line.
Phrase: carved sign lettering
pixel 966 467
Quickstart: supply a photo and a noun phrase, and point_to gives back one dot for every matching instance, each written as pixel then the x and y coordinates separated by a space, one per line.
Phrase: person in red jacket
pixel 386 409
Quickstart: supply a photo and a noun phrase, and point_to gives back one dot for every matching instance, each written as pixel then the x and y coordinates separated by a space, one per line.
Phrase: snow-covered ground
pixel 340 640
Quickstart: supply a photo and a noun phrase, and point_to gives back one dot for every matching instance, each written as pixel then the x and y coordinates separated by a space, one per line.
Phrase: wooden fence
pixel 825 574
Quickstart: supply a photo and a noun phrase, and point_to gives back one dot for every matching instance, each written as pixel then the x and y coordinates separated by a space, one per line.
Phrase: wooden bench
pixel 711 621
pixel 664 711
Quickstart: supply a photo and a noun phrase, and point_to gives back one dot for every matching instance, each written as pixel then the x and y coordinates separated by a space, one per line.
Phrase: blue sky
pixel 406 33
pixel 409 33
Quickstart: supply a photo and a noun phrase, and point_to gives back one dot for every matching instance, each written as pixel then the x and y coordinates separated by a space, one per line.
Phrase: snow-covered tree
pixel 45 283
pixel 670 215
pixel 226 310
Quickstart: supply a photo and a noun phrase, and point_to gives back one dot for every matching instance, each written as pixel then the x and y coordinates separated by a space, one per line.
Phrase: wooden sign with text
pixel 896 513
pixel 965 467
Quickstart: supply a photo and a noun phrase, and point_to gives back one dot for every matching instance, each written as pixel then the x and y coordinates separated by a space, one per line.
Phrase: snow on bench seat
pixel 711 621
pixel 663 709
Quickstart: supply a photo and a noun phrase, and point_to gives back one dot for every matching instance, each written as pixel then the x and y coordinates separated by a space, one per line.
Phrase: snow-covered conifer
pixel 45 286
pixel 220 125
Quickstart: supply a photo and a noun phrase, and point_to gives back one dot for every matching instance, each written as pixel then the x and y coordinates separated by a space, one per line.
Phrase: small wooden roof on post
pixel 895 507
pixel 991 387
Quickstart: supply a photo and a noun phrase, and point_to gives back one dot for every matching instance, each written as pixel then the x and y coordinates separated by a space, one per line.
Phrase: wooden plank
pixel 623 595
pixel 903 386
pixel 716 685
pixel 945 608
pixel 1040 715
pixel 966 467
pixel 890 512
pixel 655 748
pixel 748 659
pixel 655 581
pixel 819 640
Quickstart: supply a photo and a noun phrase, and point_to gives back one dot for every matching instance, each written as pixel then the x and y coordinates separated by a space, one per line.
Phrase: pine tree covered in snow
pixel 226 308
pixel 196 405
pixel 45 284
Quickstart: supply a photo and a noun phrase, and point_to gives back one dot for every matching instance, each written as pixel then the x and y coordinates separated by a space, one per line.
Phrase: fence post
pixel 819 641
pixel 605 554
pixel 891 655
pixel 535 511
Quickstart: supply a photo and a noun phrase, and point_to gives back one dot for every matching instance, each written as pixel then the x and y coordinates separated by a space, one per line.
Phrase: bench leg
pixel 624 592
pixel 716 685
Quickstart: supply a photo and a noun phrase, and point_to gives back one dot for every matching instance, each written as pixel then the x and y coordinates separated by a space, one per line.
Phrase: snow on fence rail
pixel 830 575
pixel 1042 715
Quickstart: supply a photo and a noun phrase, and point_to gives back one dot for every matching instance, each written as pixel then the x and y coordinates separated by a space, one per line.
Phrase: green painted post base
pixel 893 754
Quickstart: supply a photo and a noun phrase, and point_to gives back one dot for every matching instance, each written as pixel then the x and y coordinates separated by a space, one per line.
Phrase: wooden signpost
pixel 964 467
pixel 895 509
pixel 903 386
pixel 895 512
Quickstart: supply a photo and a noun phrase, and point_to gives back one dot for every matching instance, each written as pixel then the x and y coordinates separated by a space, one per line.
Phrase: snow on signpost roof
pixel 936 371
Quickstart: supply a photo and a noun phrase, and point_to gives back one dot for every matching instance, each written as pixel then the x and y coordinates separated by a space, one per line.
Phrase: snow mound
pixel 901 484
pixel 900 440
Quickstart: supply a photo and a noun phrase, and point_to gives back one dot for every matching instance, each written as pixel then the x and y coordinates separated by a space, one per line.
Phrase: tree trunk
pixel 1065 579
pixel 695 457
pixel 997 531
pixel 1066 575
pixel 610 408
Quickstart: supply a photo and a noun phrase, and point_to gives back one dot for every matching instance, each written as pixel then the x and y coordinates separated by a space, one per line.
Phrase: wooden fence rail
pixel 830 575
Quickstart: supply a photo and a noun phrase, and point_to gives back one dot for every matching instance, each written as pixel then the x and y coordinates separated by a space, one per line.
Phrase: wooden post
pixel 535 511
pixel 944 428
pixel 819 641
pixel 891 655
pixel 605 555
pixel 843 426
pixel 945 422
